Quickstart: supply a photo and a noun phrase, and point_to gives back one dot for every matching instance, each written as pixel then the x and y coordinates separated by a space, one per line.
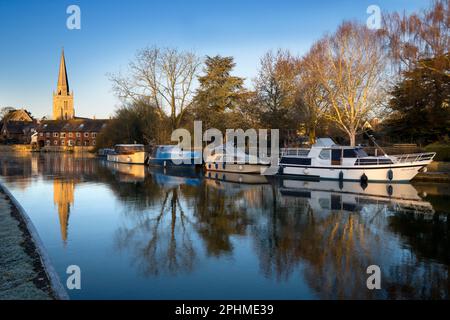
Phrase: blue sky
pixel 32 34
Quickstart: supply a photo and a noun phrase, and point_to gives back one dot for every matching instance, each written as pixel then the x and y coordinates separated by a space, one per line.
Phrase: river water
pixel 142 233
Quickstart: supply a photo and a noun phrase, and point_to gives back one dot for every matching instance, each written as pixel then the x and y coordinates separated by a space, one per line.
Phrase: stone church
pixel 63 98
pixel 66 130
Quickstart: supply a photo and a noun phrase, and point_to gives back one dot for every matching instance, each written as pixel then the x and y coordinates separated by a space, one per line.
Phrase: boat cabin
pixel 129 148
pixel 326 153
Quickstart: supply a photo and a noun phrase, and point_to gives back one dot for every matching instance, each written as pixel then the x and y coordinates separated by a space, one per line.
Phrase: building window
pixel 47 142
pixel 86 134
pixel 55 142
pixel 70 134
pixel 63 134
pixel 94 134
pixel 63 142
pixel 93 142
pixel 86 142
pixel 55 134
pixel 78 134
pixel 70 143
pixel 78 143
pixel 47 134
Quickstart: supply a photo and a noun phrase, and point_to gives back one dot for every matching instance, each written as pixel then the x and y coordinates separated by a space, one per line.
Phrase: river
pixel 143 233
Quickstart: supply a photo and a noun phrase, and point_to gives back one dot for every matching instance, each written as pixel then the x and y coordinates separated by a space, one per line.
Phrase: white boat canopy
pixel 325 143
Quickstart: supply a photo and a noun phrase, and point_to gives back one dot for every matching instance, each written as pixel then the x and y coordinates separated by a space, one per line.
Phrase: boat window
pixel 296 161
pixel 350 153
pixel 324 203
pixel 129 148
pixel 325 154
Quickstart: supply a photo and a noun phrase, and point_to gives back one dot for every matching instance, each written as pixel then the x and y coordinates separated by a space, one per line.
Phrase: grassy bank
pixel 26 273
pixel 442 151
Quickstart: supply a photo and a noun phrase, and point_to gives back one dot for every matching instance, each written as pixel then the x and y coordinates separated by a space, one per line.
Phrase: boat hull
pixel 237 168
pixel 398 173
pixel 135 158
pixel 169 163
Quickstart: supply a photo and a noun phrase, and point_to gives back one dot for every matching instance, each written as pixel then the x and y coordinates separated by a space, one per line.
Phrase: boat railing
pixel 414 157
pixel 403 158
pixel 294 152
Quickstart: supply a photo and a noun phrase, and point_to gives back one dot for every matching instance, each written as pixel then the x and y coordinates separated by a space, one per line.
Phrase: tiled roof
pixel 74 125
pixel 18 127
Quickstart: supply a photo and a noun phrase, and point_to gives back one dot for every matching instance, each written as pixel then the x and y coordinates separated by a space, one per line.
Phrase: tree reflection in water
pixel 159 236
pixel 325 235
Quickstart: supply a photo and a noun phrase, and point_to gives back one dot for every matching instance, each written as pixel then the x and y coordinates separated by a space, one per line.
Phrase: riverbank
pixel 432 176
pixel 26 273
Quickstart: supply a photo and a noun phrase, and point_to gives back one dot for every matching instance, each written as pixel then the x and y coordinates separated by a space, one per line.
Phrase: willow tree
pixel 162 78
pixel 349 67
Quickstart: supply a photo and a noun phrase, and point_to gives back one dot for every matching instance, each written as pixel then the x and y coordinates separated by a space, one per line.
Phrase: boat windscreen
pixel 324 143
pixel 361 153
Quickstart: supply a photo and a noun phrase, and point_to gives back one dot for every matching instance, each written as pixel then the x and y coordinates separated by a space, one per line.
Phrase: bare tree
pixel 5 112
pixel 350 66
pixel 414 39
pixel 161 77
pixel 276 86
pixel 312 96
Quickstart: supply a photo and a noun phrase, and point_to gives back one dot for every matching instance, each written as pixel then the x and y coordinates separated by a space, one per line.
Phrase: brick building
pixel 69 133
pixel 66 130
pixel 17 127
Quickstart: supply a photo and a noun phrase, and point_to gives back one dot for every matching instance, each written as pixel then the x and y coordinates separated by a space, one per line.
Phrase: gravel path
pixel 22 276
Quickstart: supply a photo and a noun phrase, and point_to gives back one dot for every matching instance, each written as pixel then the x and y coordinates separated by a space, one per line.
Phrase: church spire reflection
pixel 63 198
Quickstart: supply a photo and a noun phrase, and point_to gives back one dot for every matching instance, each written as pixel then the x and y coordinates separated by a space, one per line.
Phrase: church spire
pixel 63 98
pixel 63 82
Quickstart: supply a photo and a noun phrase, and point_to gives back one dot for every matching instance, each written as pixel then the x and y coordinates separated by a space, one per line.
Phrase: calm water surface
pixel 140 233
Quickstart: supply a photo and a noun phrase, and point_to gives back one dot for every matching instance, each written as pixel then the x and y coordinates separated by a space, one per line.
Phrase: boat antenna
pixel 371 137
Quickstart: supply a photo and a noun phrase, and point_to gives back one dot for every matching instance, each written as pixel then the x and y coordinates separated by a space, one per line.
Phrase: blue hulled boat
pixel 169 155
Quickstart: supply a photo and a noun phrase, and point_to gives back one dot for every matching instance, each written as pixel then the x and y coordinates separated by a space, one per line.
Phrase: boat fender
pixel 364 178
pixel 341 176
pixel 280 170
pixel 424 169
pixel 390 190
pixel 164 164
pixel 390 175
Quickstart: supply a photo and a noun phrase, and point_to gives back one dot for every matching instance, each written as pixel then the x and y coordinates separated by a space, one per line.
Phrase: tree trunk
pixel 312 135
pixel 352 136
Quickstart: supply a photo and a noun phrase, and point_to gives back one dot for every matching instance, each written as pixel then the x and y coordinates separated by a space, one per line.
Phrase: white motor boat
pixel 326 160
pixel 128 153
pixel 235 161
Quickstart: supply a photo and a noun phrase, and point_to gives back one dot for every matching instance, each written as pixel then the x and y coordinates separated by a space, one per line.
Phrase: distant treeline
pixel 394 82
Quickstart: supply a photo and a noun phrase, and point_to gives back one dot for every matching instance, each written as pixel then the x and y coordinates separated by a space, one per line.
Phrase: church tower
pixel 63 98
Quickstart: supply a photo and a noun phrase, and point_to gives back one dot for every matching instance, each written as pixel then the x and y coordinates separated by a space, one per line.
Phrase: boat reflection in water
pixel 171 177
pixel 181 234
pixel 127 173
pixel 352 196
